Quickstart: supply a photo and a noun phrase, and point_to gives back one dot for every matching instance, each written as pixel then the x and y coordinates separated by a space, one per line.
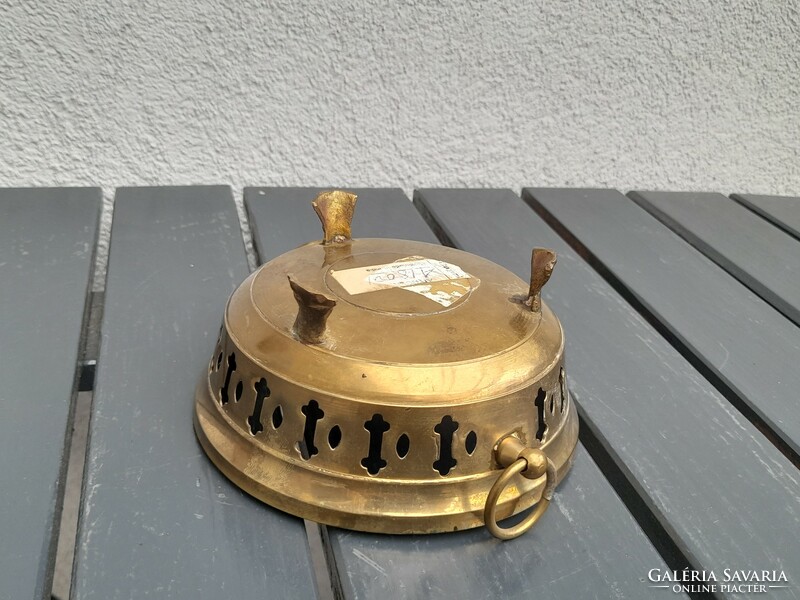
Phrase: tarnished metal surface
pixel 373 392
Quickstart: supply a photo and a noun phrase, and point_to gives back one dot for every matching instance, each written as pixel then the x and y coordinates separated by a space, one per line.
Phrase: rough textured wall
pixel 679 95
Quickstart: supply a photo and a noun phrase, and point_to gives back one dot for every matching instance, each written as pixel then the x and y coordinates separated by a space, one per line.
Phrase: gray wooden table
pixel 680 312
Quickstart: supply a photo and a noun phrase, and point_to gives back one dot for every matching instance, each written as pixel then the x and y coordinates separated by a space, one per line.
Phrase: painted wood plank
pixel 740 340
pixel 282 218
pixel 762 257
pixel 47 240
pixel 730 497
pixel 781 211
pixel 158 520
pixel 587 545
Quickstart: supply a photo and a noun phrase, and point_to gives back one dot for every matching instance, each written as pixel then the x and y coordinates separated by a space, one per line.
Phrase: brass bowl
pixel 390 386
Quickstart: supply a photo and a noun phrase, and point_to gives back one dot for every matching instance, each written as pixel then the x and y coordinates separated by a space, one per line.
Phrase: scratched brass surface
pixel 381 410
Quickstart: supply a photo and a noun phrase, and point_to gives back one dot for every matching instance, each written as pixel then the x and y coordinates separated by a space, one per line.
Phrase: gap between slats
pixel 710 250
pixel 65 524
pixel 769 218
pixel 691 356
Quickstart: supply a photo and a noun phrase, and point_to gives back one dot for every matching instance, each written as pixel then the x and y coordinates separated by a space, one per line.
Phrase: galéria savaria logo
pixel 728 581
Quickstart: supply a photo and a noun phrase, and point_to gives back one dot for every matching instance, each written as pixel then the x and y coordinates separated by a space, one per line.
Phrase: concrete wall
pixel 682 94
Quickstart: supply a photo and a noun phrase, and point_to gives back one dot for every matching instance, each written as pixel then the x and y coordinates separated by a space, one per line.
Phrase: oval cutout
pixel 239 390
pixel 403 446
pixel 334 437
pixel 277 417
pixel 471 442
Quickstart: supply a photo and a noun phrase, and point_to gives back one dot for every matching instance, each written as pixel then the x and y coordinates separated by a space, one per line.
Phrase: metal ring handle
pixel 490 511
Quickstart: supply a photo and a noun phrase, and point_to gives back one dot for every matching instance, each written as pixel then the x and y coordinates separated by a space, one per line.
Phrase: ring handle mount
pixel 532 463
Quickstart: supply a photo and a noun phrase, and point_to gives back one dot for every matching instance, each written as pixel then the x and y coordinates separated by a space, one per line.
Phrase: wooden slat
pixel 47 239
pixel 586 545
pixel 781 211
pixel 158 520
pixel 711 477
pixel 679 442
pixel 282 218
pixel 741 341
pixel 762 257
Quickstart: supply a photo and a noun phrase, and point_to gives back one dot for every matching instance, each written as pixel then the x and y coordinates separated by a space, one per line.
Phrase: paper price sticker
pixel 437 280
